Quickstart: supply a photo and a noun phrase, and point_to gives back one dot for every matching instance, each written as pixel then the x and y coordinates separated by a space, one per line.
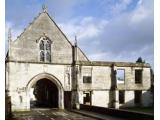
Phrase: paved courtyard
pixel 51 114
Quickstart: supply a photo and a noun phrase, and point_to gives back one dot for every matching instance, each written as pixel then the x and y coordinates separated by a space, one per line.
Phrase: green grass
pixel 141 109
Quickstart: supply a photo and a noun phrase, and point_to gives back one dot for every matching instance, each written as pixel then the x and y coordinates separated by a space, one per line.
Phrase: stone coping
pixel 93 63
pixel 107 63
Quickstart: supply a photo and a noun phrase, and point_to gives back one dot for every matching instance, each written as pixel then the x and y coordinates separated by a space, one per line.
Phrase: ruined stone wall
pixel 101 85
pixel 129 83
pixel 101 79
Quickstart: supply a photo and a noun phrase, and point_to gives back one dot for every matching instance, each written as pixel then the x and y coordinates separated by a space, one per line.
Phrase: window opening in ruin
pixel 87 98
pixel 87 79
pixel 120 76
pixel 121 96
pixel 138 76
pixel 137 97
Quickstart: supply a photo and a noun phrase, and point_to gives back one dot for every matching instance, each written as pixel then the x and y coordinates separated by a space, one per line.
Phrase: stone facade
pixel 78 80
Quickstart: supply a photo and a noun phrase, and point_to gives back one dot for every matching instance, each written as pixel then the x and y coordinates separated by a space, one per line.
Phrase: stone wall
pixel 101 85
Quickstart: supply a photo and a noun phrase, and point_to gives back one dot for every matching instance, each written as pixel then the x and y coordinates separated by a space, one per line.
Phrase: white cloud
pixel 143 10
pixel 85 28
pixel 14 30
pixel 98 56
pixel 120 6
pixel 128 34
pixel 14 33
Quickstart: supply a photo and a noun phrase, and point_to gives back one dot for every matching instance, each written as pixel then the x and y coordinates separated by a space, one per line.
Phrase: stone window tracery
pixel 45 49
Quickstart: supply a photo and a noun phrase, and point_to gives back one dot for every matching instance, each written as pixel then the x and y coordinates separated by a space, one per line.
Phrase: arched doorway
pixel 44 94
pixel 45 90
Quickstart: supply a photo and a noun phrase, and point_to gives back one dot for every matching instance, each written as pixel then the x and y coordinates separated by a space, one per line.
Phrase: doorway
pixel 44 94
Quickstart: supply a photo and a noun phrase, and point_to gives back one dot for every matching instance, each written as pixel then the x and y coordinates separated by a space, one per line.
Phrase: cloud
pixel 120 6
pixel 15 31
pixel 128 36
pixel 122 38
pixel 110 30
pixel 143 10
pixel 85 28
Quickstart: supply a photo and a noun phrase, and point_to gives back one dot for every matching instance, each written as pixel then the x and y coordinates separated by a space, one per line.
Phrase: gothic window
pixel 41 56
pixel 45 50
pixel 41 45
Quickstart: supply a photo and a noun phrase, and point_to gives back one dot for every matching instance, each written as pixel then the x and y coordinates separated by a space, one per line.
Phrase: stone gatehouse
pixel 44 69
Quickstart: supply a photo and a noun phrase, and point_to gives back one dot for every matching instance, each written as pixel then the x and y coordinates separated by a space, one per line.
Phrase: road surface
pixel 51 114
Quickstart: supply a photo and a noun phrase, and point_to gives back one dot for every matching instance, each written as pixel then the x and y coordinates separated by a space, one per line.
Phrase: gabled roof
pixel 35 19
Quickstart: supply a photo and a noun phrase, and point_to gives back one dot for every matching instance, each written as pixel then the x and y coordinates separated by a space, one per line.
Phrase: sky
pixel 106 30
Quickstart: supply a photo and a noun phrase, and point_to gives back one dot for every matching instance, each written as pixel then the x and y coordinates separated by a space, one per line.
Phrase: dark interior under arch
pixel 46 94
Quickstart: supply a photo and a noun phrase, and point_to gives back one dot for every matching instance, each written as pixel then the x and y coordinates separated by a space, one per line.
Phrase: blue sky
pixel 107 30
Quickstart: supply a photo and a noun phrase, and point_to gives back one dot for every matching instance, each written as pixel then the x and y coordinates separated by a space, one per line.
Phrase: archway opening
pixel 44 94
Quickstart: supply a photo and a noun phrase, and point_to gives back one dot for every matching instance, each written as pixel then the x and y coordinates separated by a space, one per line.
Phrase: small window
pixel 120 76
pixel 138 76
pixel 137 97
pixel 87 98
pixel 87 79
pixel 121 96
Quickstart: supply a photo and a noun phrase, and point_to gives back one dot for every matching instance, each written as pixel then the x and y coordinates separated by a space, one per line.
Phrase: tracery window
pixel 45 49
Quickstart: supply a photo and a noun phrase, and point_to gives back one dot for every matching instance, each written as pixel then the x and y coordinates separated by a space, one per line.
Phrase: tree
pixel 139 60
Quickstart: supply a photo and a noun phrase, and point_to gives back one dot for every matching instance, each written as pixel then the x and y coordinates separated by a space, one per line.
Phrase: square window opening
pixel 87 79
pixel 121 96
pixel 120 76
pixel 138 76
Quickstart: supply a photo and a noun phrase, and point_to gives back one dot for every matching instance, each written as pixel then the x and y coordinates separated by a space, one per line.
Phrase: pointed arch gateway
pixel 53 99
